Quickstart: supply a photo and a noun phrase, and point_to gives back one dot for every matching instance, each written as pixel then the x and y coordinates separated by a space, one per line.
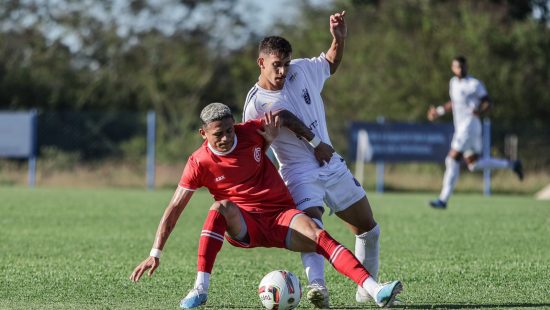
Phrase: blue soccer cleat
pixel 194 299
pixel 438 204
pixel 386 295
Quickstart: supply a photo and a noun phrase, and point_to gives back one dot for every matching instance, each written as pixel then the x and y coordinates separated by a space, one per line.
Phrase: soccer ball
pixel 280 290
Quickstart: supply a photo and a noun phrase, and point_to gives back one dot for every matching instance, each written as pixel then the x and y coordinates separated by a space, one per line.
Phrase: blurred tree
pixel 101 55
pixel 175 56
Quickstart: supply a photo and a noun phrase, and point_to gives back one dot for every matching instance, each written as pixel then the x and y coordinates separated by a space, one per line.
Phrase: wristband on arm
pixel 440 110
pixel 155 253
pixel 315 141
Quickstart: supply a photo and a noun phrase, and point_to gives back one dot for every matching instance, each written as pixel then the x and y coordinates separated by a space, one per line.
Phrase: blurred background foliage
pixel 176 56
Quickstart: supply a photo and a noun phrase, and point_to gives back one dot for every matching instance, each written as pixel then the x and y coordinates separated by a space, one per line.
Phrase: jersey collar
pixel 223 153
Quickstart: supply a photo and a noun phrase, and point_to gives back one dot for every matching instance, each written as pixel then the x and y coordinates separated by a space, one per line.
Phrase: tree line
pixel 396 63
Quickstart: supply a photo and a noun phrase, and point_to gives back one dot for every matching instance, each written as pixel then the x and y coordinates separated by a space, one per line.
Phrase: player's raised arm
pixel 339 32
pixel 167 223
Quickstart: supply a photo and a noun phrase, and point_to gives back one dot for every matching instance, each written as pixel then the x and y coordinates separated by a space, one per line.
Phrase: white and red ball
pixel 280 290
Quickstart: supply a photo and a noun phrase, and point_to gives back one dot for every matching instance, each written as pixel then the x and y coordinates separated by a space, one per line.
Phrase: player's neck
pixel 264 83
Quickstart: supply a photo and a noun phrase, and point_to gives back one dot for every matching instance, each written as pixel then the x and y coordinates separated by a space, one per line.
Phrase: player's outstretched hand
pixel 323 153
pixel 338 27
pixel 272 125
pixel 149 263
pixel 432 113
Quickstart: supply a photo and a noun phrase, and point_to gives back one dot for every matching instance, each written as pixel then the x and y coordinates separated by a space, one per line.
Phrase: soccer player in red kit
pixel 252 207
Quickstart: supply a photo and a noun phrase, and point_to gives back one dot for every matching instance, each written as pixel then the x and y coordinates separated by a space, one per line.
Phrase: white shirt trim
pixel 188 189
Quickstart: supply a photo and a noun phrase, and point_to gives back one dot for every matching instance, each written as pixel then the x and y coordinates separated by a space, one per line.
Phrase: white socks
pixel 314 264
pixel 371 286
pixel 202 282
pixel 367 251
pixel 452 170
pixel 490 163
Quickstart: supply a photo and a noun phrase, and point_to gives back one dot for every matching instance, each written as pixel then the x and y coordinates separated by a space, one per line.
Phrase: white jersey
pixel 466 95
pixel 301 95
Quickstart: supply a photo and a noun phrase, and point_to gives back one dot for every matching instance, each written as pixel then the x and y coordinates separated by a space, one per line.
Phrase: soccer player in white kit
pixel 312 171
pixel 469 99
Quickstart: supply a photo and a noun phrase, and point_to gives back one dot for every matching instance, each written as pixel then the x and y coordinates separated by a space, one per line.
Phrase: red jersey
pixel 244 175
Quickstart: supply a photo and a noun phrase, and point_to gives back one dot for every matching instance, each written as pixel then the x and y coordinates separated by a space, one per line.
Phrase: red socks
pixel 341 258
pixel 211 240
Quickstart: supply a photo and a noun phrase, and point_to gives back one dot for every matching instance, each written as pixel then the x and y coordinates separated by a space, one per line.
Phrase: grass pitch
pixel 75 249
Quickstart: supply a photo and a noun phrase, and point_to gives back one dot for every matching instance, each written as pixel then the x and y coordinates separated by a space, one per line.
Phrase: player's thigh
pixel 467 142
pixel 359 216
pixel 232 215
pixel 342 191
pixel 306 193
pixel 302 234
pixel 459 144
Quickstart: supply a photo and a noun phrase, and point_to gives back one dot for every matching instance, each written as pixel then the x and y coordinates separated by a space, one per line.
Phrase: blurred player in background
pixel 312 171
pixel 252 208
pixel 469 99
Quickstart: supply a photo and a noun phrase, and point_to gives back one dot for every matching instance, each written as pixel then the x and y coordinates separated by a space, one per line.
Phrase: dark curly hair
pixel 275 45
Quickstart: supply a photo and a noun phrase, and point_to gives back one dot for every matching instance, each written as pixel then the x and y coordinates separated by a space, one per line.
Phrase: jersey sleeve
pixel 316 68
pixel 250 111
pixel 190 178
pixel 480 90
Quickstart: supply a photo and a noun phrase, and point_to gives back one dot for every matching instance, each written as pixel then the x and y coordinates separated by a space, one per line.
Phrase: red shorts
pixel 267 229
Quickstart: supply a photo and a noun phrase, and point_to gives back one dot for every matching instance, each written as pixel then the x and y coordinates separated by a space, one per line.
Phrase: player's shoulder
pixel 256 95
pixel 252 94
pixel 474 80
pixel 200 153
pixel 252 124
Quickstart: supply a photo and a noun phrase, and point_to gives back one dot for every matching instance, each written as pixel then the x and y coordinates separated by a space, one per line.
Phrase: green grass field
pixel 75 249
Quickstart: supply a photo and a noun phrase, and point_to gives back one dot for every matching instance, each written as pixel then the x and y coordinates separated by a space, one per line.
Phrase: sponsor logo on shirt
pixel 313 124
pixel 218 179
pixel 302 201
pixel 266 105
pixel 258 154
pixel 305 94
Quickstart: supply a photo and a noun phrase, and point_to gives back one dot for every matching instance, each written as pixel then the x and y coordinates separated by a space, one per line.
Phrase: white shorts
pixel 467 143
pixel 338 190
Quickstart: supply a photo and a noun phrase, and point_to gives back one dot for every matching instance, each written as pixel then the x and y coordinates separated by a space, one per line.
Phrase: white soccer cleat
pixel 318 295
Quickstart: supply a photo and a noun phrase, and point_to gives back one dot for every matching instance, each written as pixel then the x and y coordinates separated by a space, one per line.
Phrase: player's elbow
pixel 284 116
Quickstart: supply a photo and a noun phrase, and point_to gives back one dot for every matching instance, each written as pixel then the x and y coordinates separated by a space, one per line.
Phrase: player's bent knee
pixel 225 207
pixel 317 233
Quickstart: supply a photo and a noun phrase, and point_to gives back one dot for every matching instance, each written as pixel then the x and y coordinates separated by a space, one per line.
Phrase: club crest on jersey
pixel 258 154
pixel 293 76
pixel 305 94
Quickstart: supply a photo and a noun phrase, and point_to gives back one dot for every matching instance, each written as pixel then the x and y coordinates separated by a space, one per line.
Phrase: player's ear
pixel 260 62
pixel 203 133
